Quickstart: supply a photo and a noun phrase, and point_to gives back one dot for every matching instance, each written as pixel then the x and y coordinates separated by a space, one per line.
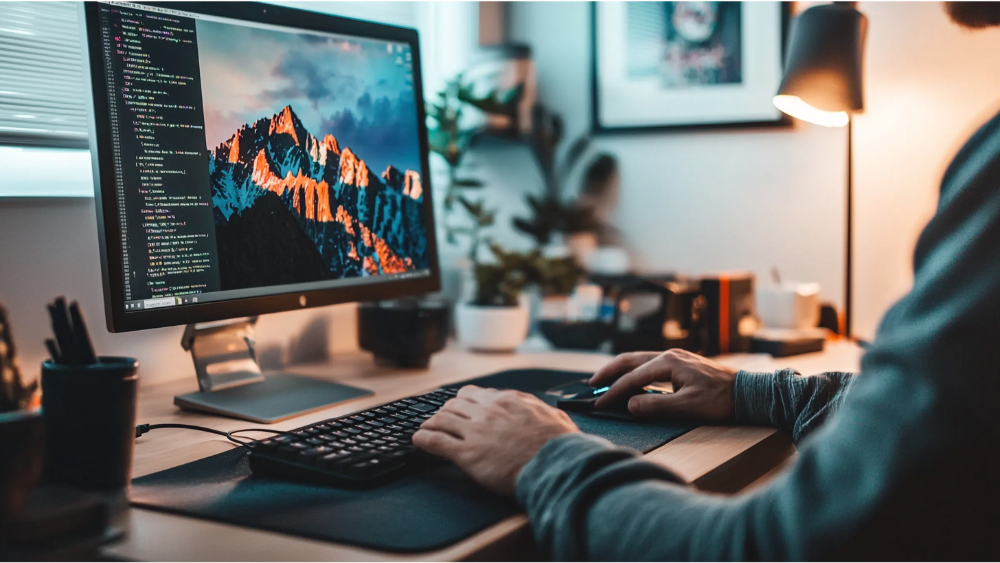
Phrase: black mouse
pixel 584 402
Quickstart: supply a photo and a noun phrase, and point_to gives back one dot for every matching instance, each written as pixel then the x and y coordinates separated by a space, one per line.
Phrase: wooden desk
pixel 716 458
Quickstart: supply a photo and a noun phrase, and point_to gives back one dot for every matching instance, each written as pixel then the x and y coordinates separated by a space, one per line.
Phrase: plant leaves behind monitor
pixel 469 183
pixel 573 155
pixel 598 176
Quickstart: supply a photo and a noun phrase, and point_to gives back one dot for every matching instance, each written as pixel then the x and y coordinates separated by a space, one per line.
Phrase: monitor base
pixel 277 397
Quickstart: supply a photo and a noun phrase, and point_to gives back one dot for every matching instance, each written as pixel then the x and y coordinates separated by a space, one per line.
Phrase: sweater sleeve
pixel 906 467
pixel 787 401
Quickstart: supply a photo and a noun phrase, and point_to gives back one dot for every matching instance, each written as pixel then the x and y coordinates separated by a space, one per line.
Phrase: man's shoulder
pixel 980 151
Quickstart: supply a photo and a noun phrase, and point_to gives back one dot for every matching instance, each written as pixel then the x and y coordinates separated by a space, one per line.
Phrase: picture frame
pixel 660 66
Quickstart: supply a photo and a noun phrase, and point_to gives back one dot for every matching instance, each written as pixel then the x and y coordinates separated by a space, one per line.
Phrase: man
pixel 906 465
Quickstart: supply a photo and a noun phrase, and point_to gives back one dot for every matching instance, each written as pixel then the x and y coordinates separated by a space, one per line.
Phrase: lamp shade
pixel 823 66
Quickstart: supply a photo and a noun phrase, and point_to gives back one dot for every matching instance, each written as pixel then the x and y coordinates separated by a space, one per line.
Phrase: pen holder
pixel 90 422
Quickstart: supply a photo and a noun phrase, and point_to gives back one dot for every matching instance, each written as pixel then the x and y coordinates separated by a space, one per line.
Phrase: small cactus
pixel 14 394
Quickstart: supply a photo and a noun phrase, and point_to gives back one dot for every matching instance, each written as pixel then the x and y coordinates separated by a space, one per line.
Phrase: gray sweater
pixel 906 465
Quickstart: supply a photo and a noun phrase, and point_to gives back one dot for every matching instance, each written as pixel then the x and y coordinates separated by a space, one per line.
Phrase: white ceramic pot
pixel 492 329
pixel 581 245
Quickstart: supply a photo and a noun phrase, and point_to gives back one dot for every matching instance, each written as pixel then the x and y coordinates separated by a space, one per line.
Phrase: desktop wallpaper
pixel 314 156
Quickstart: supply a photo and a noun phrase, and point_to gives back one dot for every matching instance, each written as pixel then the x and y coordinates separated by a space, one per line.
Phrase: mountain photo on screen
pixel 685 43
pixel 313 153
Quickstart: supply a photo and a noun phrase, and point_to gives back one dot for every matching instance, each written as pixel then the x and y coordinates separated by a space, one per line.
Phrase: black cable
pixel 143 428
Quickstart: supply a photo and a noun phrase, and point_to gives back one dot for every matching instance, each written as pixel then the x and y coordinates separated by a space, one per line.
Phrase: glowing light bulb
pixel 795 107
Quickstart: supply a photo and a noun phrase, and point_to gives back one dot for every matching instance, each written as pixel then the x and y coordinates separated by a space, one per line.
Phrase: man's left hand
pixel 492 435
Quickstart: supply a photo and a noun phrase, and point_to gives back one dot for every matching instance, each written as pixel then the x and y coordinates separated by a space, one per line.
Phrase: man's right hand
pixel 703 389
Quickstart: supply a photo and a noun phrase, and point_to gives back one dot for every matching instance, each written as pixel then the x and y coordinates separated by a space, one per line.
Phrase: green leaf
pixel 475 208
pixel 467 183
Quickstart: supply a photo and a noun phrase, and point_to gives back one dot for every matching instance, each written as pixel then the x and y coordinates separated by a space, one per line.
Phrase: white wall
pixel 752 199
pixel 703 201
pixel 930 85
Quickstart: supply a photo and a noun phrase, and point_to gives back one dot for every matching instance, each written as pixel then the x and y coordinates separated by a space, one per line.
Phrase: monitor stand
pixel 232 384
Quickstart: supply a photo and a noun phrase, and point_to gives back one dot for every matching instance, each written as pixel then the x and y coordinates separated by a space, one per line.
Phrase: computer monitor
pixel 250 159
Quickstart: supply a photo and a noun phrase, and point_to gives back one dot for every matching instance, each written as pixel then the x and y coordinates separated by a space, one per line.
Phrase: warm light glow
pixel 795 107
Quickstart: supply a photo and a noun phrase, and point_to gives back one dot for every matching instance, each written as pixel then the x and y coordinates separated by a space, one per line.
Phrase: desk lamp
pixel 823 85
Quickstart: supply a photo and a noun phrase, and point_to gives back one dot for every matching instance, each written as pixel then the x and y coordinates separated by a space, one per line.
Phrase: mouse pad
pixel 421 512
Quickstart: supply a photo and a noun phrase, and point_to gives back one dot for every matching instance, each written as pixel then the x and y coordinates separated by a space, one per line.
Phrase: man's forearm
pixel 787 401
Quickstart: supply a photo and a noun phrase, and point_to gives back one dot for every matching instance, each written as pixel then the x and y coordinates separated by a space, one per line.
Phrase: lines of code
pixel 164 197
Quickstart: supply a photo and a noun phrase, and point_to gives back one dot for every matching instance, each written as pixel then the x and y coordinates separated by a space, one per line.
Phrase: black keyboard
pixel 361 449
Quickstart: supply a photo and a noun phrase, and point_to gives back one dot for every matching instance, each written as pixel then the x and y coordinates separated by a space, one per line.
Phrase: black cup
pixel 90 422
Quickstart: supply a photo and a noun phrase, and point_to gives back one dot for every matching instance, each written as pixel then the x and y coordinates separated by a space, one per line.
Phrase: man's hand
pixel 492 434
pixel 703 389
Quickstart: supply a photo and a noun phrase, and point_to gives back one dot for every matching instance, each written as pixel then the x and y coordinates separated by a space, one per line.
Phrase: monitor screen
pixel 253 159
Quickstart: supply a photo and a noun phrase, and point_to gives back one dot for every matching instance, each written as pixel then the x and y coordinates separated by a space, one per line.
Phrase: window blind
pixel 41 79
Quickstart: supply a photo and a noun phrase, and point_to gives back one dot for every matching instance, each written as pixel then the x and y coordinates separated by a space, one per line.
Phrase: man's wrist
pixel 753 395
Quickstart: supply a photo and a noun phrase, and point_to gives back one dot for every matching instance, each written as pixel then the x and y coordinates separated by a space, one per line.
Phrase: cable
pixel 144 428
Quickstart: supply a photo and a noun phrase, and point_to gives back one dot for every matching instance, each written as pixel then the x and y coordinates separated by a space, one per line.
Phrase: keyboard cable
pixel 144 428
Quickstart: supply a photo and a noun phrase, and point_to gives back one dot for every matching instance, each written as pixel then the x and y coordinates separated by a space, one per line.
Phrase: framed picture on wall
pixel 663 65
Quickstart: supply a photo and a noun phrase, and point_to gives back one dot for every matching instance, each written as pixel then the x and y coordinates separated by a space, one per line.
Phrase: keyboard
pixel 361 449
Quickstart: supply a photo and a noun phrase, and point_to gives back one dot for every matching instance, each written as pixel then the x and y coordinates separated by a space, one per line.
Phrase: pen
pixel 84 348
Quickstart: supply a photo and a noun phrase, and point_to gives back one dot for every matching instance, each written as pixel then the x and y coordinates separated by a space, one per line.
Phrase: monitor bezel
pixel 108 227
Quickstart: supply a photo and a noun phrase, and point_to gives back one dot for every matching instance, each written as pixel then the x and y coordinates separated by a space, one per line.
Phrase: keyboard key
pixel 390 409
pixel 407 424
pixel 408 401
pixel 326 437
pixel 328 460
pixel 337 444
pixel 434 402
pixel 366 467
pixel 363 426
pixel 376 424
pixel 298 446
pixel 370 434
pixel 314 441
pixel 354 431
pixel 378 442
pixel 394 427
pixel 354 449
pixel 380 411
pixel 335 425
pixel 309 456
pixel 350 442
pixel 422 407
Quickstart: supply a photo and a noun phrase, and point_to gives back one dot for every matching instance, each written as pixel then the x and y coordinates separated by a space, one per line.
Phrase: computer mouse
pixel 584 402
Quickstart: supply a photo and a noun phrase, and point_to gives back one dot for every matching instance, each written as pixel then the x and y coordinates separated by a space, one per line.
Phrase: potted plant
pixel 576 220
pixel 449 136
pixel 21 430
pixel 497 318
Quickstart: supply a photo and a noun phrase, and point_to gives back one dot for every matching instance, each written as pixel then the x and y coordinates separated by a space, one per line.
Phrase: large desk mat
pixel 421 512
